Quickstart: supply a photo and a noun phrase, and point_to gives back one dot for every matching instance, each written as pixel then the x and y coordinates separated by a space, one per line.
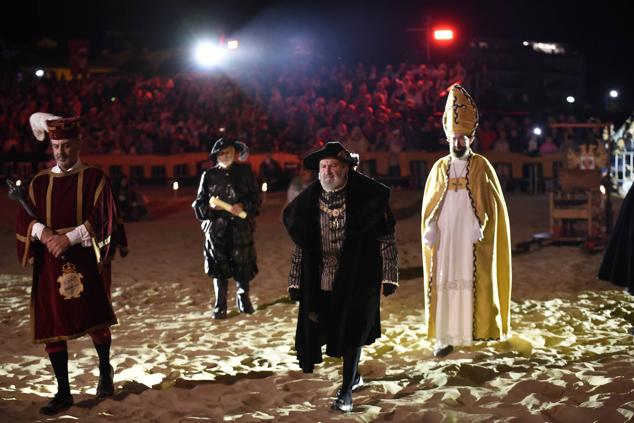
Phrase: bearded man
pixel 466 239
pixel 68 230
pixel 344 256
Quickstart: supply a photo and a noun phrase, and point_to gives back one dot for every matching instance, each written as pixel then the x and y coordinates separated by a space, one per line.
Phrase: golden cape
pixel 491 255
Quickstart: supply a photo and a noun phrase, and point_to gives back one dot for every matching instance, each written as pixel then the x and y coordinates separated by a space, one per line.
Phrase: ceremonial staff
pixel 16 193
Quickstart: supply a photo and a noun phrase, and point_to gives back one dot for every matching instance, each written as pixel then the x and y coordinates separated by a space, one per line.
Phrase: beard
pixel 334 182
pixel 459 153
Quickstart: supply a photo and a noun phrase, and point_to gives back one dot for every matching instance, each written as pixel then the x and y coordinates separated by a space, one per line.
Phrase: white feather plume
pixel 38 124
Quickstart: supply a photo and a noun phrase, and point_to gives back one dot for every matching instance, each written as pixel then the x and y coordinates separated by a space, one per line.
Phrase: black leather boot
pixel 243 302
pixel 105 387
pixel 62 399
pixel 343 402
pixel 220 306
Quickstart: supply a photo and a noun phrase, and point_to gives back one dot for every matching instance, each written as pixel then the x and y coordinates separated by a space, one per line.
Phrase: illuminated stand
pixel 622 165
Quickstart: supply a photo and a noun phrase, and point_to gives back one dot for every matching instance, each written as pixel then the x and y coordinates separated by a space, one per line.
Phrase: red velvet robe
pixel 63 201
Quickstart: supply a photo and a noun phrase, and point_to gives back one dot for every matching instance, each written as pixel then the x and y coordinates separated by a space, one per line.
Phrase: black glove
pixel 293 294
pixel 389 289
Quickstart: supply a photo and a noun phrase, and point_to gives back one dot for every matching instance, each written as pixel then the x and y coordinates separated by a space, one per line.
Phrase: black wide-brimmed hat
pixel 333 150
pixel 222 143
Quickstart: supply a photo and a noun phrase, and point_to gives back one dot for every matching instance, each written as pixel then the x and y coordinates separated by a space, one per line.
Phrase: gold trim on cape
pixel 27 247
pixel 49 197
pixel 80 196
pixel 102 183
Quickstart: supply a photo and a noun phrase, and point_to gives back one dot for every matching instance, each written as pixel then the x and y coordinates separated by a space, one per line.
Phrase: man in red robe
pixel 69 234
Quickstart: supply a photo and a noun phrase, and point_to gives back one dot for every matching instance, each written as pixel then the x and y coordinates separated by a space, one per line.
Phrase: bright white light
pixel 208 54
pixel 265 187
pixel 443 34
pixel 39 73
pixel 18 183
pixel 537 131
pixel 570 99
pixel 549 48
pixel 525 43
pixel 614 93
pixel 175 185
pixel 602 189
pixel 233 44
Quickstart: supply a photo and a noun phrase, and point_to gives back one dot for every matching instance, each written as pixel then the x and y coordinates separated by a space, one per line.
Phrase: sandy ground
pixel 569 359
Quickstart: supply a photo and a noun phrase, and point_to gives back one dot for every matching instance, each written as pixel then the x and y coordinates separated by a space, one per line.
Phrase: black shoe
pixel 356 384
pixel 342 403
pixel 105 388
pixel 243 302
pixel 444 351
pixel 220 305
pixel 59 403
pixel 219 313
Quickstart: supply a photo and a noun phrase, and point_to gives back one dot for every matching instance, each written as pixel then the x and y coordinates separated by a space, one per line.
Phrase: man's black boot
pixel 351 357
pixel 62 399
pixel 105 387
pixel 220 306
pixel 243 302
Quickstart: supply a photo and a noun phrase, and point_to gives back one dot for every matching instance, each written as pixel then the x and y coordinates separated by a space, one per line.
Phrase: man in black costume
pixel 229 249
pixel 618 262
pixel 344 253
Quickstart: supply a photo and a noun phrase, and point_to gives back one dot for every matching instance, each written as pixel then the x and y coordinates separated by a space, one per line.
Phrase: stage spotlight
pixel 233 44
pixel 208 54
pixel 570 99
pixel 39 73
pixel 175 185
pixel 614 93
pixel 18 183
pixel 443 34
pixel 602 189
pixel 537 130
pixel 265 187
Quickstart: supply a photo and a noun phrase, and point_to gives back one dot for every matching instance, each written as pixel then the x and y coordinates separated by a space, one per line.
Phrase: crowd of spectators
pixel 396 108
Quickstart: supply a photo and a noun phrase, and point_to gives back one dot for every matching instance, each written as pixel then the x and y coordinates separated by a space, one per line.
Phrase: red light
pixel 443 34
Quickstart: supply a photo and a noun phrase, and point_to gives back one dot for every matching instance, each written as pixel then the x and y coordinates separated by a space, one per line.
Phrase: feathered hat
pixel 58 128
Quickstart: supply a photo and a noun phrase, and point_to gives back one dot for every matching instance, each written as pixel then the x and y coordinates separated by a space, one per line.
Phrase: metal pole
pixel 608 188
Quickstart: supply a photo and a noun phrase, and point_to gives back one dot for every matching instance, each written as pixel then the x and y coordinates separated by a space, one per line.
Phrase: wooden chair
pixel 577 197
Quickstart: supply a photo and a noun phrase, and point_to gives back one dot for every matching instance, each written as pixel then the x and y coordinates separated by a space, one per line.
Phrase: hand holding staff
pixel 217 202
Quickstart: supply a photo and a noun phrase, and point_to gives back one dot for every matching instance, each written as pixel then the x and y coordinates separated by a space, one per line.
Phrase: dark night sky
pixel 599 30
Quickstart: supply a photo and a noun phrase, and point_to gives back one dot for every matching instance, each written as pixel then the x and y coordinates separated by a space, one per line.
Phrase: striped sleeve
pixel 296 268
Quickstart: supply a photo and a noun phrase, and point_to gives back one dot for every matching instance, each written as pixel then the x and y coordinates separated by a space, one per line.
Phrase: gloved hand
pixel 476 233
pixel 293 294
pixel 389 289
pixel 431 235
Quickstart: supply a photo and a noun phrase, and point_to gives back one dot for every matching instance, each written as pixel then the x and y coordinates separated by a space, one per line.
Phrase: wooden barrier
pixel 412 164
pixel 515 160
pixel 176 166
